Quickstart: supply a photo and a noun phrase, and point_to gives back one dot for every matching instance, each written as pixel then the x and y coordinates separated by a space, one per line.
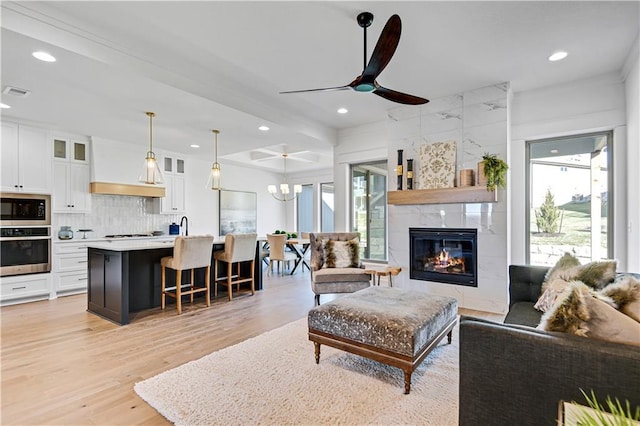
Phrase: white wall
pixel 631 73
pixel 595 104
pixel 477 127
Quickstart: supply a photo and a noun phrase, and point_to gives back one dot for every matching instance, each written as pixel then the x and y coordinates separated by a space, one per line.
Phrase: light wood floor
pixel 62 365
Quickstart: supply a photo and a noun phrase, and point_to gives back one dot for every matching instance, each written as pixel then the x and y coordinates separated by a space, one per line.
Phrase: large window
pixel 326 207
pixel 305 209
pixel 569 204
pixel 369 208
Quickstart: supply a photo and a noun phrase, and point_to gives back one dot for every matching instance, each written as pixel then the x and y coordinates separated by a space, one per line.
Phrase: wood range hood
pixel 110 188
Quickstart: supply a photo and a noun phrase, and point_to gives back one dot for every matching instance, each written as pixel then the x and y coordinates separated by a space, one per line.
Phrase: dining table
pixel 300 246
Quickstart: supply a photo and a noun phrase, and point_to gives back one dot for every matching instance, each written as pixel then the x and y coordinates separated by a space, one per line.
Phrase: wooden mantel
pixel 464 194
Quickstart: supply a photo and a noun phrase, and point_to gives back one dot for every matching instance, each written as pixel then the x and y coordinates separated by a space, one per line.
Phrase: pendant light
pixel 214 176
pixel 285 193
pixel 151 173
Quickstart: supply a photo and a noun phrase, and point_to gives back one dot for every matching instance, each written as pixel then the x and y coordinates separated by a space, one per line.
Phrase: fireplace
pixel 446 255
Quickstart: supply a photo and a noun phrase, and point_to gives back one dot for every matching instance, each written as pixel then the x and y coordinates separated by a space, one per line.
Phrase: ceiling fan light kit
pixel 382 54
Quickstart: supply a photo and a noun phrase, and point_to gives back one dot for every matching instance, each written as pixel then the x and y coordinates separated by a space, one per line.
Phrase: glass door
pixel 570 198
pixel 369 208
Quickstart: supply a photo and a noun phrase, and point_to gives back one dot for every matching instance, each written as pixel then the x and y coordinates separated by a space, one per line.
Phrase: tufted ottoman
pixel 390 325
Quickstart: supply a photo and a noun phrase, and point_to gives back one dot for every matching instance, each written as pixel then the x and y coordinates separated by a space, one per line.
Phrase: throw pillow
pixel 342 254
pixel 594 274
pixel 553 290
pixel 585 313
pixel 567 262
pixel 625 292
pixel 597 274
pixel 556 281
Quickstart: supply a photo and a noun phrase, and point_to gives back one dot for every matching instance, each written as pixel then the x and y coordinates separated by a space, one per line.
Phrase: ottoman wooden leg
pixel 407 382
pixel 317 350
pixel 449 336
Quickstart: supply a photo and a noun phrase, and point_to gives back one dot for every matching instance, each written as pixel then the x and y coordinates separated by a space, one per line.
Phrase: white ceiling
pixel 208 64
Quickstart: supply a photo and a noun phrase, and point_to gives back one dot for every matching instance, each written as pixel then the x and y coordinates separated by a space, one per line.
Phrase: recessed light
pixel 193 145
pixel 342 110
pixel 554 151
pixel 4 105
pixel 44 56
pixel 263 128
pixel 557 56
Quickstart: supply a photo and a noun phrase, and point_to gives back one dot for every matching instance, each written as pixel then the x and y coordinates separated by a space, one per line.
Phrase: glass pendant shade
pixel 214 176
pixel 151 173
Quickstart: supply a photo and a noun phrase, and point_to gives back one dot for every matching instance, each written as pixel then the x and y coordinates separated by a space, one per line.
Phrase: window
pixel 569 204
pixel 326 207
pixel 369 208
pixel 305 209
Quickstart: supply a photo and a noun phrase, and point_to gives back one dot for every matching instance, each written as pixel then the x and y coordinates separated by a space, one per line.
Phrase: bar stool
pixel 189 253
pixel 238 248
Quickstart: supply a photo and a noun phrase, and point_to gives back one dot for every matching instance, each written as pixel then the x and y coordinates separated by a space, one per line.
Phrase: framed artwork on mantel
pixel 238 212
pixel 438 165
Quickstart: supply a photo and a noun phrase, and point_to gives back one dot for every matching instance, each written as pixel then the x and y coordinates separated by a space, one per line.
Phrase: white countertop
pixel 138 243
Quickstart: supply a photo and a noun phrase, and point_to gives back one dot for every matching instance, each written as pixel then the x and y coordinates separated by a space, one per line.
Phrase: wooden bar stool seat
pixel 189 253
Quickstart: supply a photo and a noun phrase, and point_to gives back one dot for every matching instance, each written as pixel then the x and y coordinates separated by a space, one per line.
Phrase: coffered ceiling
pixel 210 64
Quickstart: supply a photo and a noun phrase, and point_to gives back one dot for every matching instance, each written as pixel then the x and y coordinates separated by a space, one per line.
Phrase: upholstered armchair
pixel 328 276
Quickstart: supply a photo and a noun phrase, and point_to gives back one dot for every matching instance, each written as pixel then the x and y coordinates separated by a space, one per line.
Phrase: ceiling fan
pixel 384 50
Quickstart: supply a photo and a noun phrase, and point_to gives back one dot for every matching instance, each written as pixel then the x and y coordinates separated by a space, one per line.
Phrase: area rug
pixel 273 379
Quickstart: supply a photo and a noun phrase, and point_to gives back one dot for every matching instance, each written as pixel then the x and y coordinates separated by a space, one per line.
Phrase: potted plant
pixel 492 171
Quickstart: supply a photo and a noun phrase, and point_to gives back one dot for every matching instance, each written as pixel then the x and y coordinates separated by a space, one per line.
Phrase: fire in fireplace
pixel 447 255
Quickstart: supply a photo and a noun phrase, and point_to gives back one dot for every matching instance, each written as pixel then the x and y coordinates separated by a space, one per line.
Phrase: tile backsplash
pixel 116 214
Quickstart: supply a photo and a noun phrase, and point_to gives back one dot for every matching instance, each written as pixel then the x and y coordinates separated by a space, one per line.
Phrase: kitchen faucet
pixel 186 221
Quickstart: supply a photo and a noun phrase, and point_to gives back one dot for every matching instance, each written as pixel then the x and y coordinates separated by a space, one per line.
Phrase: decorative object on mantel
pixel 409 173
pixel 399 170
pixel 492 171
pixel 438 165
pixel 285 193
pixel 466 177
pixel 214 176
pixel 151 173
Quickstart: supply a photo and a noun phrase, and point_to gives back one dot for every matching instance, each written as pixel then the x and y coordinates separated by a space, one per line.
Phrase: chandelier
pixel 151 173
pixel 214 176
pixel 285 194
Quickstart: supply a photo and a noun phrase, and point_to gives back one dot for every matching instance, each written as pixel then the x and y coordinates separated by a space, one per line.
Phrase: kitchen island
pixel 124 275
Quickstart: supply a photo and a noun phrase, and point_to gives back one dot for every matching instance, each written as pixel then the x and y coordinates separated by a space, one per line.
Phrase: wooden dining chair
pixel 278 252
pixel 189 253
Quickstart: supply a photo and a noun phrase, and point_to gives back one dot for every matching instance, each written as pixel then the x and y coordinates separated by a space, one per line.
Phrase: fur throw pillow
pixel 625 292
pixel 342 254
pixel 583 312
pixel 594 274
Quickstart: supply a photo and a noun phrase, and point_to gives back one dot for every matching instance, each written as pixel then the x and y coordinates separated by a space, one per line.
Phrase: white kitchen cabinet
pixel 24 288
pixel 71 175
pixel 174 201
pixel 70 267
pixel 26 159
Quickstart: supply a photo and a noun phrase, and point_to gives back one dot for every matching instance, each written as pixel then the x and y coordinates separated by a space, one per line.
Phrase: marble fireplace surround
pixel 478 121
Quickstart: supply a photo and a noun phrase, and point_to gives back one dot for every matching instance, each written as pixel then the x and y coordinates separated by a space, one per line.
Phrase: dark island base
pixel 121 282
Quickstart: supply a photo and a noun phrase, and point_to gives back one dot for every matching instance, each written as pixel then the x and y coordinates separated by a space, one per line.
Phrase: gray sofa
pixel 514 374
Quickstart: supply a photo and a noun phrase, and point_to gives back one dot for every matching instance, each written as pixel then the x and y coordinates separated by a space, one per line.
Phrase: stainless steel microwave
pixel 25 209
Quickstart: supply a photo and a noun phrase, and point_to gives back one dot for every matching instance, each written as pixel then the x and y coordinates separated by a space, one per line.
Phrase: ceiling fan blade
pixel 324 89
pixel 385 48
pixel 399 97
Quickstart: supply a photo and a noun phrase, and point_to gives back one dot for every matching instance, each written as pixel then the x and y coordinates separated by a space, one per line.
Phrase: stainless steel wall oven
pixel 25 234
